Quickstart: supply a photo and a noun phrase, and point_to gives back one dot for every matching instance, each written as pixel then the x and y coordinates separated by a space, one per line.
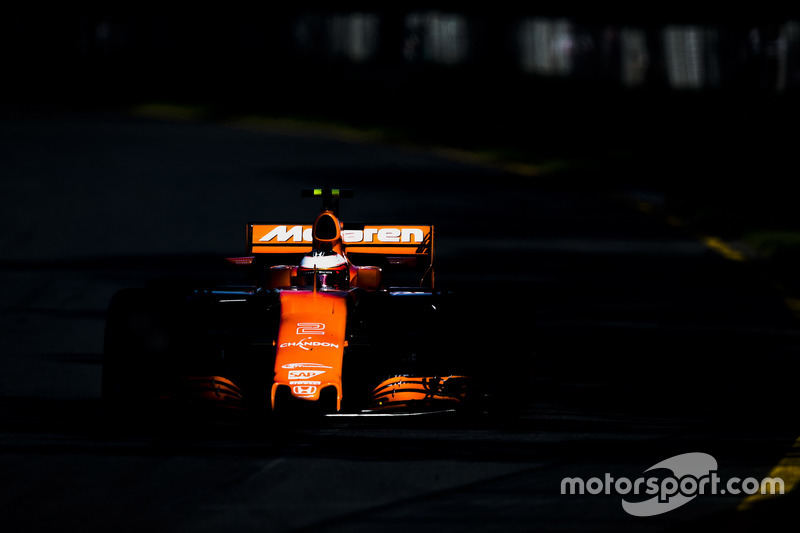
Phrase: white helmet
pixel 329 268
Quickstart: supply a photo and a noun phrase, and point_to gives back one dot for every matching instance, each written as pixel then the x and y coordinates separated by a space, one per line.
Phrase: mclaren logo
pixel 284 233
pixel 308 345
pixel 384 235
pixel 377 234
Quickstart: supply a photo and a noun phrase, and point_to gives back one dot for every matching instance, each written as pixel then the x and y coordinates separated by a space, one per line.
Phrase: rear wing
pixel 385 240
pixel 403 252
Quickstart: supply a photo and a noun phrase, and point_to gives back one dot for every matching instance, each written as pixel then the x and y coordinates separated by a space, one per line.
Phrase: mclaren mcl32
pixel 333 318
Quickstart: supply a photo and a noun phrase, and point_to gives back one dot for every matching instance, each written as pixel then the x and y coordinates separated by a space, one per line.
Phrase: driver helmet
pixel 330 268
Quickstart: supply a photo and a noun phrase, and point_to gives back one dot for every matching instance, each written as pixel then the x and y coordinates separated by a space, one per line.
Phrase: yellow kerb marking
pixel 788 469
pixel 785 476
pixel 722 248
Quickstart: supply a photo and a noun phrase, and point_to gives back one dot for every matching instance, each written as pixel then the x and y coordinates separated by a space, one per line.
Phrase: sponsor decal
pixel 304 374
pixel 284 233
pixel 383 235
pixel 375 234
pixel 304 365
pixel 308 345
pixel 305 383
pixel 304 390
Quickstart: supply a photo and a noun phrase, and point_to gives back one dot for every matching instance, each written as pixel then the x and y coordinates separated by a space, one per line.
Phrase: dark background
pixel 649 343
pixel 301 62
pixel 731 124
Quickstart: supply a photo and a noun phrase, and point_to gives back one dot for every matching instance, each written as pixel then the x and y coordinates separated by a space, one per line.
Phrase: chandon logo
pixel 307 344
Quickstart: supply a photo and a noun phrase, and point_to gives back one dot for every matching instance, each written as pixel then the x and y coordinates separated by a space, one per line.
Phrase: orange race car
pixel 334 319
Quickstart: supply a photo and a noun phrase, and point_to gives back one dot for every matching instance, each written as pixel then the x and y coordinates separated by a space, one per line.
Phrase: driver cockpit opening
pixel 323 271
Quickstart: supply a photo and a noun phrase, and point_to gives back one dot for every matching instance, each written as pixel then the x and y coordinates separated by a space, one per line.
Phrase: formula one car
pixel 334 318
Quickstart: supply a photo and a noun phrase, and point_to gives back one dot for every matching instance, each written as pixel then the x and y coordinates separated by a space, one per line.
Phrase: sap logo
pixel 304 374
pixel 304 390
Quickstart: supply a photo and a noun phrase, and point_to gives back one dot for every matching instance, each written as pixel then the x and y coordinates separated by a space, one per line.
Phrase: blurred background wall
pixel 544 79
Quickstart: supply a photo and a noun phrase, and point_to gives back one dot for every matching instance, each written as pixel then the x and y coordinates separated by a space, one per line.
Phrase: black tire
pixel 496 341
pixel 135 346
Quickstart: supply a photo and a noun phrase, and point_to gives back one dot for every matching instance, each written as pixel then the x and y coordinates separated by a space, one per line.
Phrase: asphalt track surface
pixel 649 344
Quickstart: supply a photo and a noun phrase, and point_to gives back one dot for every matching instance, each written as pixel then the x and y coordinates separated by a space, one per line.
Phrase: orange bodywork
pixel 406 391
pixel 311 337
pixel 215 390
pixel 286 238
pixel 310 344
